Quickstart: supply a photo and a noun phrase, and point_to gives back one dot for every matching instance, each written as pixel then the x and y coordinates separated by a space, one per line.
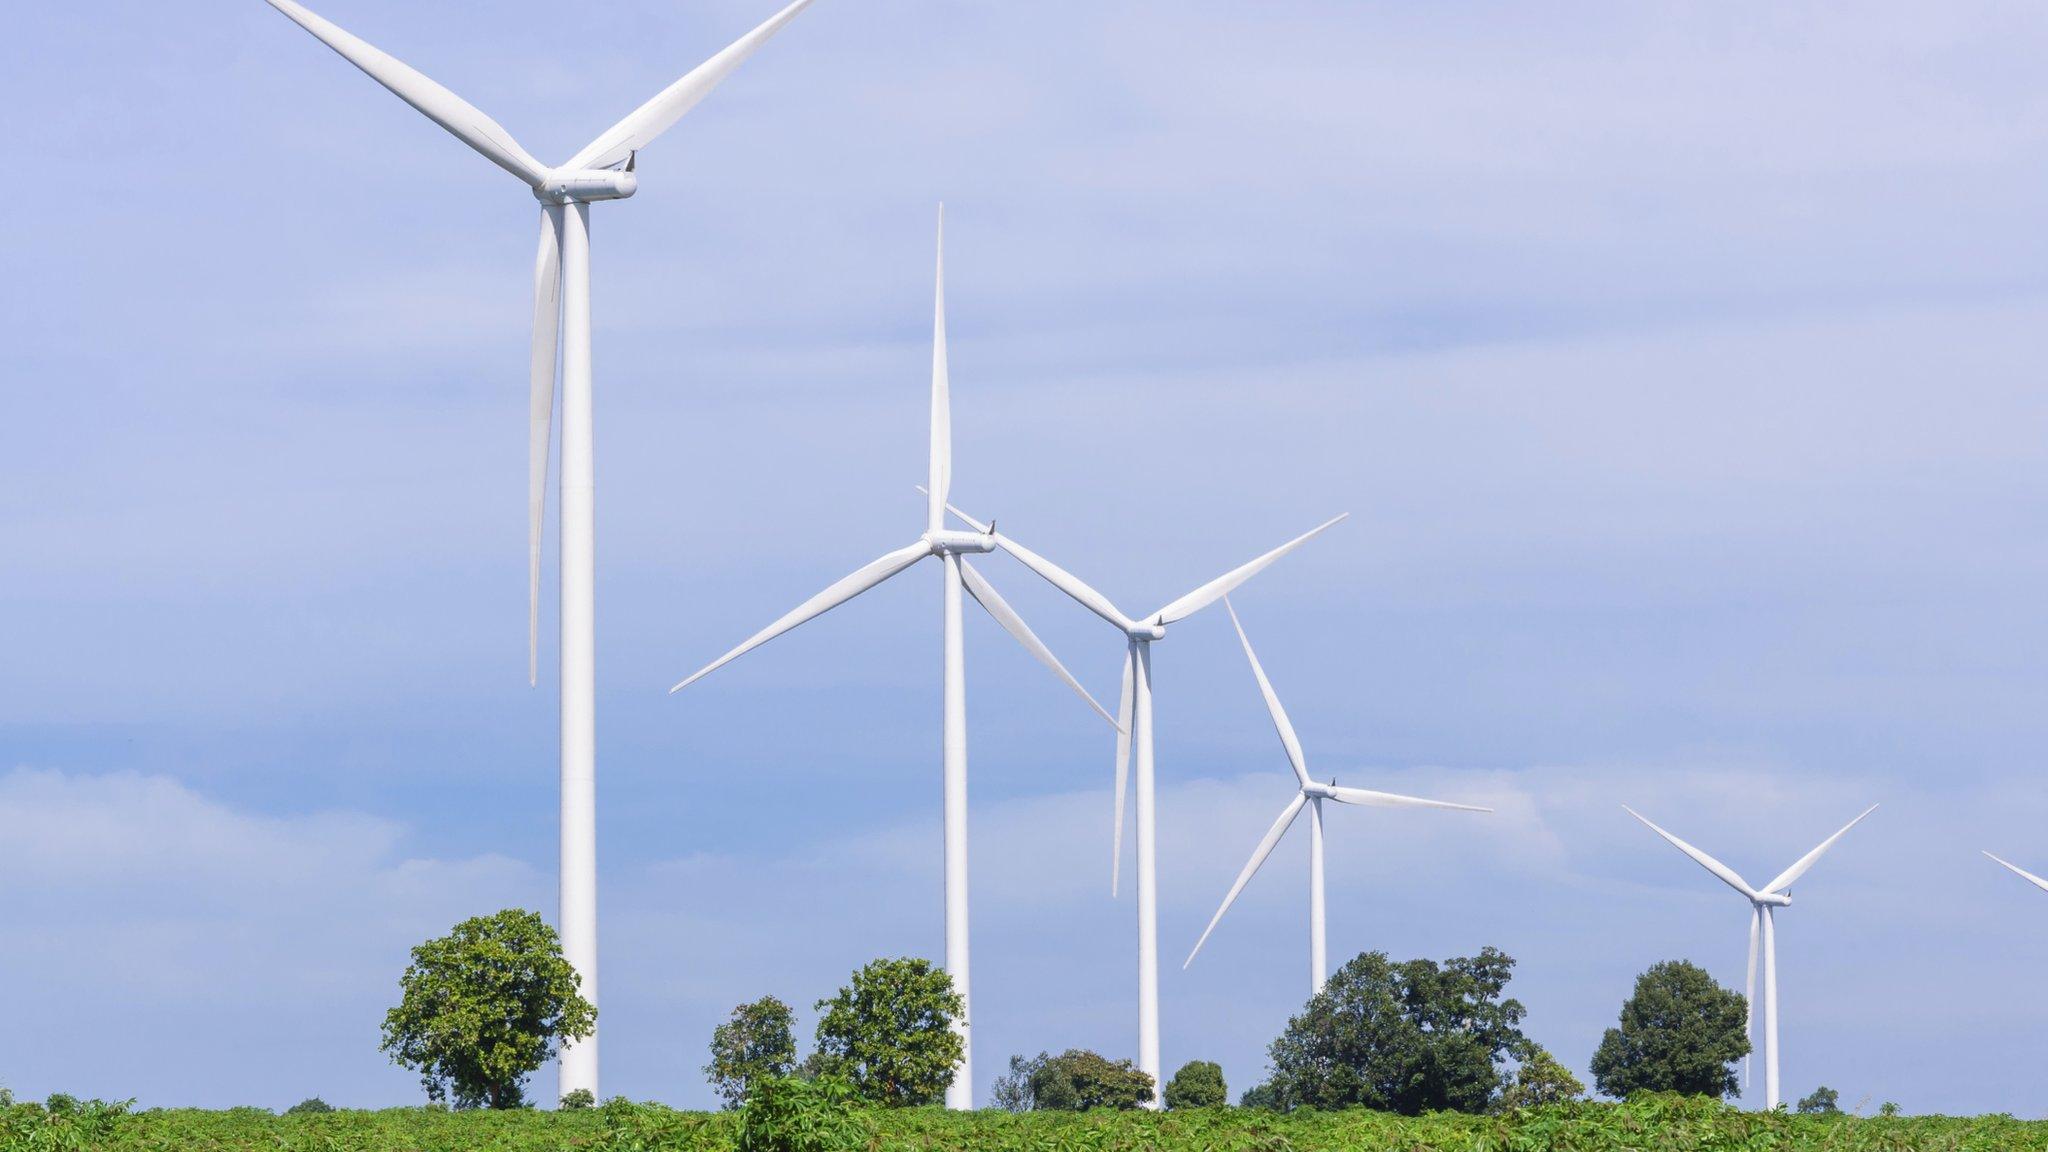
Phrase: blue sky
pixel 1680 371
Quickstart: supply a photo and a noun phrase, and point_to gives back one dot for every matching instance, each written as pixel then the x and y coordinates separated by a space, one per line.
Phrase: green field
pixel 1651 1124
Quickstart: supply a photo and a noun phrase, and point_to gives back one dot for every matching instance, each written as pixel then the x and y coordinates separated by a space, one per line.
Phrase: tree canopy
pixel 1198 1084
pixel 483 1007
pixel 1680 1032
pixel 1539 1080
pixel 1406 1037
pixel 754 1045
pixel 890 1033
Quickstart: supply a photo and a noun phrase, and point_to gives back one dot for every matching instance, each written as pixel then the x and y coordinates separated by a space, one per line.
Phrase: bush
pixel 1012 1090
pixel 788 1114
pixel 1539 1081
pixel 1077 1080
pixel 310 1105
pixel 754 1045
pixel 1198 1084
pixel 576 1099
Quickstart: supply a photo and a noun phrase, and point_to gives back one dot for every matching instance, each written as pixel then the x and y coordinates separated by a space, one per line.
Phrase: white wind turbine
pixel 951 548
pixel 1764 903
pixel 1134 726
pixel 603 170
pixel 2022 873
pixel 1311 796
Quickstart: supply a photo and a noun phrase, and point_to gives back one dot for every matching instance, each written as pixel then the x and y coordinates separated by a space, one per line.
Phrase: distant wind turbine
pixel 1310 795
pixel 2029 877
pixel 1764 903
pixel 952 549
pixel 603 170
pixel 1134 721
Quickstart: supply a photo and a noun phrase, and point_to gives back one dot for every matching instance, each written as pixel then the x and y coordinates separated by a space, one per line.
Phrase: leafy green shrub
pixel 754 1045
pixel 576 1098
pixel 793 1115
pixel 1540 1080
pixel 1824 1101
pixel 1077 1080
pixel 311 1105
pixel 1198 1084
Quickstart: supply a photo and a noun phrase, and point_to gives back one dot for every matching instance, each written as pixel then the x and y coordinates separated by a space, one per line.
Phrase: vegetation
pixel 1073 1081
pixel 1198 1084
pixel 755 1046
pixel 1540 1080
pixel 1411 1037
pixel 483 1007
pixel 890 1033
pixel 1649 1123
pixel 786 1114
pixel 309 1106
pixel 1680 1032
pixel 1824 1101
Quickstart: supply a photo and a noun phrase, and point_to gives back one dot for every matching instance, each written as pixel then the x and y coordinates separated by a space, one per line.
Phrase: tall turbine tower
pixel 603 170
pixel 1764 904
pixel 1134 722
pixel 952 549
pixel 1310 795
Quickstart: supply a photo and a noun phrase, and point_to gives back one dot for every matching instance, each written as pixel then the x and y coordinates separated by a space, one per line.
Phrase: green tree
pixel 1198 1084
pixel 1539 1080
pixel 1412 1037
pixel 483 1007
pixel 1265 1096
pixel 890 1033
pixel 1824 1101
pixel 755 1044
pixel 1680 1032
pixel 1012 1090
pixel 310 1105
pixel 1077 1080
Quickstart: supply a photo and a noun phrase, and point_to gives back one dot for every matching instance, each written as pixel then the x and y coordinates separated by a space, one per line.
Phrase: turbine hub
pixel 585 186
pixel 1776 899
pixel 1149 630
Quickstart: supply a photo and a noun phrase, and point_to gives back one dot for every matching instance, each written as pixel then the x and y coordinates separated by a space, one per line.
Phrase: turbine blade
pixel 940 478
pixel 656 116
pixel 1288 740
pixel 1719 869
pixel 452 112
pixel 1227 583
pixel 1125 701
pixel 547 330
pixel 2029 877
pixel 1756 920
pixel 985 594
pixel 1052 573
pixel 1791 875
pixel 839 593
pixel 1251 866
pixel 1371 799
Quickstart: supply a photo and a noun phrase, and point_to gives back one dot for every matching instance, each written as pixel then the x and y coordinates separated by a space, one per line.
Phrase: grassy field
pixel 1654 1124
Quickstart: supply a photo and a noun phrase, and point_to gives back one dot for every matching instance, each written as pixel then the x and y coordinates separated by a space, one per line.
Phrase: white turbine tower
pixel 603 170
pixel 1311 796
pixel 2022 873
pixel 951 548
pixel 1134 723
pixel 1764 903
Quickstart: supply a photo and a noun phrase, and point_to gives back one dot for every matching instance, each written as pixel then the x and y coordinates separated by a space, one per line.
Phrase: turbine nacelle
pixel 584 186
pixel 1773 899
pixel 946 541
pixel 1148 630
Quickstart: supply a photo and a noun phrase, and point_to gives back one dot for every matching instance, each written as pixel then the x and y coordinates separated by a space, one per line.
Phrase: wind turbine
pixel 1134 723
pixel 952 549
pixel 1311 796
pixel 2022 873
pixel 603 170
pixel 1764 903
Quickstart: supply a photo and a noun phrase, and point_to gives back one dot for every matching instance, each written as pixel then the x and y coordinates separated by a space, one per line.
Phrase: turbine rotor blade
pixel 1227 583
pixel 985 594
pixel 651 119
pixel 940 479
pixel 1791 875
pixel 1288 740
pixel 1756 920
pixel 547 330
pixel 846 588
pixel 461 118
pixel 1052 573
pixel 1251 866
pixel 1126 700
pixel 1726 874
pixel 1371 799
pixel 2029 877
